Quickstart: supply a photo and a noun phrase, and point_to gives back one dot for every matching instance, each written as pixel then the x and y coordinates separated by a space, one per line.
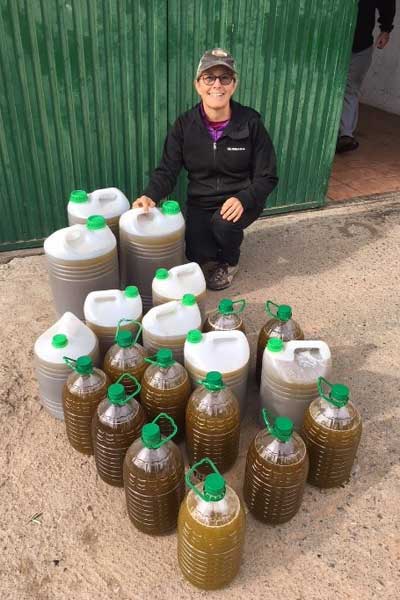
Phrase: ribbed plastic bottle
pixel 172 284
pixel 332 431
pixel 276 472
pixel 83 391
pixel 166 388
pixel 110 203
pixel 227 317
pixel 211 528
pixel 126 356
pixel 280 325
pixel 116 424
pixel 154 479
pixel 213 423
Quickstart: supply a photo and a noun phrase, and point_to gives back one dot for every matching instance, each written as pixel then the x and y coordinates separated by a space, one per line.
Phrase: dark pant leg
pixel 201 245
pixel 229 235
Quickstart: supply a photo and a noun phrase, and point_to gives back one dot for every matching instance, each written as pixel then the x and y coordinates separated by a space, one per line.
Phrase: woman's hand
pixel 232 209
pixel 143 202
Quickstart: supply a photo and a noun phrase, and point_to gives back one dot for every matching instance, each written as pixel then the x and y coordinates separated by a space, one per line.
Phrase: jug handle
pixel 105 295
pixel 135 381
pixel 308 345
pixel 185 269
pixel 164 309
pixel 171 435
pixel 189 474
pixel 266 420
pixel 268 310
pixel 336 402
pixel 139 331
pixel 241 307
pixel 73 236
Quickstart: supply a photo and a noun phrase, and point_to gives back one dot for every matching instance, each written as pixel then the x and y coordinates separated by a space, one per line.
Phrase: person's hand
pixel 232 209
pixel 382 39
pixel 143 202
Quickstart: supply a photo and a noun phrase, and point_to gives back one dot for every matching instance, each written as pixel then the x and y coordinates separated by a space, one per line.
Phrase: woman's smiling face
pixel 215 96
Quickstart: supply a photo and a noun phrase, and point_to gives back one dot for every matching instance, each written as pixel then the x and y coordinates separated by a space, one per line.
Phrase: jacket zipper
pixel 215 161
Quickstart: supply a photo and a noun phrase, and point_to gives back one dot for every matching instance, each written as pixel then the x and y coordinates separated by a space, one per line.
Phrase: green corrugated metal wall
pixel 89 87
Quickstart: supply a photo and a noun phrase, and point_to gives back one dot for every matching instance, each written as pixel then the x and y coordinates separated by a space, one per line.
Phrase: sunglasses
pixel 225 79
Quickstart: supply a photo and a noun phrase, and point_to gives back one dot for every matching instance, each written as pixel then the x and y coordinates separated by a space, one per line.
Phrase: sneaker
pixel 207 267
pixel 221 277
pixel 346 143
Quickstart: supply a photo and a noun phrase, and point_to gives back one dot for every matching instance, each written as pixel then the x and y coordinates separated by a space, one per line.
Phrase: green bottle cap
pixel 78 196
pixel 214 487
pixel 284 312
pixel 162 274
pixel 225 306
pixel 131 291
pixel 151 435
pixel 188 299
pixel 194 336
pixel 116 394
pixel 275 345
pixel 59 340
pixel 125 338
pixel 213 381
pixel 95 222
pixel 165 358
pixel 170 207
pixel 84 365
pixel 283 428
pixel 340 393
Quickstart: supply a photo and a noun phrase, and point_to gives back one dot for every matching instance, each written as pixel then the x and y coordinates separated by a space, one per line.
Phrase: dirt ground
pixel 339 269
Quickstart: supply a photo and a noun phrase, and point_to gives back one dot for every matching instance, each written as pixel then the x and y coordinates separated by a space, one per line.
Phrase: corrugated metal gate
pixel 88 89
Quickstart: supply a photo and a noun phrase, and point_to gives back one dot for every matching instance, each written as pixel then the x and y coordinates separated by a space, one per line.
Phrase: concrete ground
pixel 339 269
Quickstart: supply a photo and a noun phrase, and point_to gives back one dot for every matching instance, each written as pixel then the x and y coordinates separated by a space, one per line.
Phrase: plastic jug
pixel 104 309
pixel 126 356
pixel 110 203
pixel 167 325
pixel 149 241
pixel 213 423
pixel 332 431
pixel 154 479
pixel 226 317
pixel 211 528
pixel 166 388
pixel 117 423
pixel 81 259
pixel 280 325
pixel 83 390
pixel 289 376
pixel 172 284
pixel 68 336
pixel 276 472
pixel 225 351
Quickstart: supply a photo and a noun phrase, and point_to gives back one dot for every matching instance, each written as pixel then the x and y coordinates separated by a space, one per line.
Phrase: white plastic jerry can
pixel 111 203
pixel 225 351
pixel 105 308
pixel 67 337
pixel 148 241
pixel 166 325
pixel 81 259
pixel 289 376
pixel 172 284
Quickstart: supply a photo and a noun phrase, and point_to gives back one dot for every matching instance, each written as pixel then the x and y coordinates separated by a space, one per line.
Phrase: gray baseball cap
pixel 217 57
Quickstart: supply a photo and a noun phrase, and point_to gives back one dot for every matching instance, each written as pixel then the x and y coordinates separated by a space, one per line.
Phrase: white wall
pixel 381 87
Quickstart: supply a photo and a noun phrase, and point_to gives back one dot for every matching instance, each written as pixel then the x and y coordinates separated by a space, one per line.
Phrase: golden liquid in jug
pixel 171 401
pixel 125 360
pixel 286 330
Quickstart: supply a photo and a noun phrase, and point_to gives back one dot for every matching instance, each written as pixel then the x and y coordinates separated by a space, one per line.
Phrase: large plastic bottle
pixel 117 423
pixel 110 203
pixel 154 479
pixel 81 259
pixel 289 377
pixel 83 390
pixel 126 356
pixel 67 336
pixel 166 388
pixel 149 240
pixel 172 284
pixel 226 317
pixel 213 423
pixel 167 325
pixel 104 309
pixel 211 528
pixel 276 472
pixel 332 431
pixel 280 325
pixel 225 351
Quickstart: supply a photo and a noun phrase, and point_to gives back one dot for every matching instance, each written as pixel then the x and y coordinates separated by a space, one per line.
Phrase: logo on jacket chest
pixel 236 148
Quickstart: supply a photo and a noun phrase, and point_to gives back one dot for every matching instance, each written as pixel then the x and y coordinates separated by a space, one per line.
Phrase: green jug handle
pixel 267 421
pixel 188 475
pixel 269 311
pixel 135 381
pixel 241 307
pixel 139 331
pixel 336 402
pixel 70 362
pixel 171 435
pixel 150 359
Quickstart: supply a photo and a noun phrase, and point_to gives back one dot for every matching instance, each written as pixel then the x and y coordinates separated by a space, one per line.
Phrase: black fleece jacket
pixel 366 21
pixel 241 163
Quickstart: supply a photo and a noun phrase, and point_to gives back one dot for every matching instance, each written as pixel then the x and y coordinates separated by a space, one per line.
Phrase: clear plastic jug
pixel 148 241
pixel 172 284
pixel 225 351
pixel 126 356
pixel 110 203
pixel 104 309
pixel 68 336
pixel 226 317
pixel 289 376
pixel 211 528
pixel 81 259
pixel 167 325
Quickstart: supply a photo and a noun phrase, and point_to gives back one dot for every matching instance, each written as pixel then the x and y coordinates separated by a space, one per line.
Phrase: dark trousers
pixel 211 238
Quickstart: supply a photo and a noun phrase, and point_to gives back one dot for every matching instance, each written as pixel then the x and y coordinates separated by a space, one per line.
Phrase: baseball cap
pixel 215 58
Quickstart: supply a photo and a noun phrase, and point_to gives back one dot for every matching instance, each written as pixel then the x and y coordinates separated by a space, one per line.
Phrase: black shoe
pixel 221 277
pixel 346 143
